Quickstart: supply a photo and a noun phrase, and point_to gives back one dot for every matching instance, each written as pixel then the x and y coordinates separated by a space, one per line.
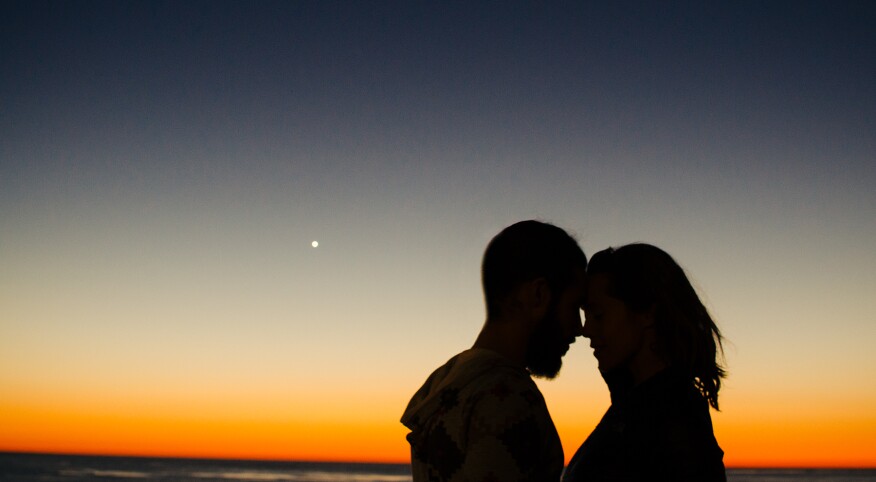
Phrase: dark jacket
pixel 660 430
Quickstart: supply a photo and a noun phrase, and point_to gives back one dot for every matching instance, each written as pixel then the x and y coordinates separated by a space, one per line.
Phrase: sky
pixel 165 167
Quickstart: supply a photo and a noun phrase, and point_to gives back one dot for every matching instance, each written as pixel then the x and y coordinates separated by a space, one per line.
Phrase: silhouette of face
pixel 616 333
pixel 557 330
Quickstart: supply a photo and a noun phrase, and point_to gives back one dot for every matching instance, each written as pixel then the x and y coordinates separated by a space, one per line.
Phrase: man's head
pixel 538 265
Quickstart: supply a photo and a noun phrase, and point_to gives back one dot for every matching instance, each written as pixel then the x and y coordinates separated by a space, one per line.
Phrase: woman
pixel 657 349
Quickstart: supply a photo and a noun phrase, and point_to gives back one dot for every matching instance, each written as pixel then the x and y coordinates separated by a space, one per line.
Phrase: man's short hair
pixel 526 251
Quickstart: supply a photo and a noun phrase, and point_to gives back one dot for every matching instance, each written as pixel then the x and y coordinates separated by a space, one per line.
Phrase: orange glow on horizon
pixel 817 444
pixel 234 436
pixel 215 439
pixel 358 424
pixel 753 444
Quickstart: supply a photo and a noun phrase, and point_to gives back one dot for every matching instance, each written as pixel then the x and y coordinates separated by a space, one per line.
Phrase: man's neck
pixel 504 337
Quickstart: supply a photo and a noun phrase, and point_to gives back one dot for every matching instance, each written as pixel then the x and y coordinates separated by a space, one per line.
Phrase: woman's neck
pixel 642 369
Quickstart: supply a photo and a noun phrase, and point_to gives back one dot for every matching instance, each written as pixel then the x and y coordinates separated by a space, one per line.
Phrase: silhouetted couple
pixel 480 417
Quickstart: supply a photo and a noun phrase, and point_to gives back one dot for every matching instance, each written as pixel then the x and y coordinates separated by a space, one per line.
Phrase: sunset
pixel 235 230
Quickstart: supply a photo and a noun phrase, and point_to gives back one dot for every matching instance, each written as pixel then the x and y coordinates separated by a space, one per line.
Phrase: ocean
pixel 68 468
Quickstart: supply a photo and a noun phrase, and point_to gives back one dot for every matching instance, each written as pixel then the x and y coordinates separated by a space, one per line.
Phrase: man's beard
pixel 544 355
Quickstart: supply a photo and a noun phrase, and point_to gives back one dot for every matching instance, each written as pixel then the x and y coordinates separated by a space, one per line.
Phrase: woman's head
pixel 642 307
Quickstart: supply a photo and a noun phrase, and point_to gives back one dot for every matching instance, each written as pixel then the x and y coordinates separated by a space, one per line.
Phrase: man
pixel 480 417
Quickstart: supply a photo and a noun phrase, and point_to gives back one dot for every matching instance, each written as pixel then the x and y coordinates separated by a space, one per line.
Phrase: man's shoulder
pixel 476 367
pixel 494 376
pixel 502 383
pixel 474 383
pixel 484 419
pixel 505 393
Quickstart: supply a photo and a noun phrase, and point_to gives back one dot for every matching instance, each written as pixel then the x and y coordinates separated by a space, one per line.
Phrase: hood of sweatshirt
pixel 456 374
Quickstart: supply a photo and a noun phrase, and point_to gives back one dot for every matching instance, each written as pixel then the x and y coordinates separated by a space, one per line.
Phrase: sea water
pixel 67 468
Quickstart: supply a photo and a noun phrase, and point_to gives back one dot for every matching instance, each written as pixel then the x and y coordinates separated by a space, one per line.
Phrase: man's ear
pixel 538 297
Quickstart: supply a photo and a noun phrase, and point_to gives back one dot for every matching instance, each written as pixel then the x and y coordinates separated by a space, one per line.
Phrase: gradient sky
pixel 165 166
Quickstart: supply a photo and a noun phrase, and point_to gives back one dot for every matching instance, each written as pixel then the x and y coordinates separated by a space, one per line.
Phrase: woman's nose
pixel 586 329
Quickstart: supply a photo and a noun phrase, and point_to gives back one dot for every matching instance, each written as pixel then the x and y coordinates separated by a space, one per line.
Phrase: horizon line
pixel 364 462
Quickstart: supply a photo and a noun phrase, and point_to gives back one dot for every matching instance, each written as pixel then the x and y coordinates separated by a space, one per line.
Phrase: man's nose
pixel 579 328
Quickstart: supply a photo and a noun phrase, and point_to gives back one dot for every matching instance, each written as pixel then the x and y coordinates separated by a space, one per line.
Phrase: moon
pixel 315 244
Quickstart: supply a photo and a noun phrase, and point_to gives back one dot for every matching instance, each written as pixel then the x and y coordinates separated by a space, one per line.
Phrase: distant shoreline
pixel 301 462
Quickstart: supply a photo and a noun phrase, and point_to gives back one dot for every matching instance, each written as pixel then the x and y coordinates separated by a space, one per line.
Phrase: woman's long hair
pixel 646 278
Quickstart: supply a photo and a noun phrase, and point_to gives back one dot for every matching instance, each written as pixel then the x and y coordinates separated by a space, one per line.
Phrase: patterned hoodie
pixel 481 418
